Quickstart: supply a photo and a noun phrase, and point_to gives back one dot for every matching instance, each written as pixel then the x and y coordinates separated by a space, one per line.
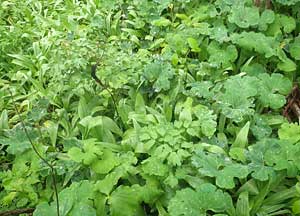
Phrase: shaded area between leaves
pixel 292 108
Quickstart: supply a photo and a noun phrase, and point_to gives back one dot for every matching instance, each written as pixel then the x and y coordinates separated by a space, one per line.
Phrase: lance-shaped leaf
pixel 287 2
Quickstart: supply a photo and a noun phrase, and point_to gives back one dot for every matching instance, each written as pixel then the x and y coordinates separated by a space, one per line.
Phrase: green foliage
pixel 206 197
pixel 187 119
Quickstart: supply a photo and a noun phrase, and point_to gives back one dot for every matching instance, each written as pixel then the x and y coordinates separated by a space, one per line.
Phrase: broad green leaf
pixel 257 42
pixel 43 209
pixel 290 132
pixel 177 42
pixel 282 24
pixel 193 43
pixel 288 23
pixel 244 17
pixel 77 193
pixel 201 89
pixel 283 156
pixel 151 190
pixel 83 209
pixel 76 154
pixel 207 120
pixel 296 207
pixel 91 152
pixel 162 22
pixel 237 104
pixel 101 127
pixel 259 169
pixel 218 32
pixel 17 140
pixel 126 201
pixel 295 49
pixel 225 171
pixel 287 65
pixel 105 163
pixel 196 202
pixel 106 185
pixel 267 17
pixel 154 166
pixel 222 56
pixel 160 73
pixel 260 127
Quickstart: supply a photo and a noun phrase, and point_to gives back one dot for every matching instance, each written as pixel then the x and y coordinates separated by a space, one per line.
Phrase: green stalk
pixel 222 121
pixel 259 107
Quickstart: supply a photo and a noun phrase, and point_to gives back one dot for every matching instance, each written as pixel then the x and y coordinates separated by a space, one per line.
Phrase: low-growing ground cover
pixel 139 107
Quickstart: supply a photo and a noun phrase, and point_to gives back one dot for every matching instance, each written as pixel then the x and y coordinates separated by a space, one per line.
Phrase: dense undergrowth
pixel 186 119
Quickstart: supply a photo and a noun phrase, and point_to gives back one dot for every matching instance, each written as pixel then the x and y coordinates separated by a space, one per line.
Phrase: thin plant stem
pixel 94 76
pixel 53 173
